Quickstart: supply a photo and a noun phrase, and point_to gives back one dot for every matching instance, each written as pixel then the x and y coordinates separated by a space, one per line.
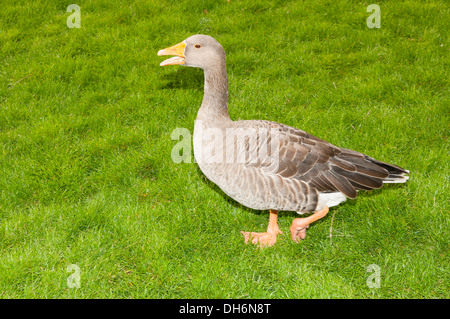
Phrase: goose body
pixel 266 165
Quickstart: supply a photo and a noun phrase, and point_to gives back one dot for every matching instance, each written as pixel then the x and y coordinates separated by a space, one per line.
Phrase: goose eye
pixel 198 46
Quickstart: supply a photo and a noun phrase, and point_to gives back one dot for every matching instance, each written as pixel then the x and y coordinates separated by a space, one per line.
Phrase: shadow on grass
pixel 182 78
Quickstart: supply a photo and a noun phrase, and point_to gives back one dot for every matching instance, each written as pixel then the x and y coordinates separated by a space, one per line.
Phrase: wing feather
pixel 314 164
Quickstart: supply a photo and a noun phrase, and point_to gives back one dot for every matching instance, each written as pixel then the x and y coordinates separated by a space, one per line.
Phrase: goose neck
pixel 215 98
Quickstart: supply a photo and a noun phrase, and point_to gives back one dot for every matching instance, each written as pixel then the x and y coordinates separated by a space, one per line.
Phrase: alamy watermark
pixel 374 280
pixel 74 20
pixel 231 145
pixel 74 280
pixel 374 20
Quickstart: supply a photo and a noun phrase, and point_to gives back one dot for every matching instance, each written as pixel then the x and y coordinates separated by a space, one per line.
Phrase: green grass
pixel 86 175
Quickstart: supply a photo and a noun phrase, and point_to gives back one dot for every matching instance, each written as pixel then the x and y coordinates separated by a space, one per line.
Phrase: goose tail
pixel 397 174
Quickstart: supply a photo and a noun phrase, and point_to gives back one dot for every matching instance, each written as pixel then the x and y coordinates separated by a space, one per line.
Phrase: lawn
pixel 87 177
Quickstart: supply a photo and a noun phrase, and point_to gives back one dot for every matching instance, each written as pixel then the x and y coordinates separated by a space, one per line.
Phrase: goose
pixel 266 165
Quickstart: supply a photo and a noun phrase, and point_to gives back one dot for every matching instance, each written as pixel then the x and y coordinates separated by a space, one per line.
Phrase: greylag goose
pixel 266 165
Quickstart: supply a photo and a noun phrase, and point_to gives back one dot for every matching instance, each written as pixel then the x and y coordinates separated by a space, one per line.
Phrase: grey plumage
pixel 306 166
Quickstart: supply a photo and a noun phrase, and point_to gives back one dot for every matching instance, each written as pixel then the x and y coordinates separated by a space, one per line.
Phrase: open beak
pixel 178 50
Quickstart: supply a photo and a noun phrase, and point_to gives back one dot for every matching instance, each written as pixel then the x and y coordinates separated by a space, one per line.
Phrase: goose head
pixel 200 51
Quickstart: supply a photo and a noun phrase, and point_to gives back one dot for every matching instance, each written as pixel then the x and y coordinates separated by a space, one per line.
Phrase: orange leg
pixel 299 225
pixel 268 238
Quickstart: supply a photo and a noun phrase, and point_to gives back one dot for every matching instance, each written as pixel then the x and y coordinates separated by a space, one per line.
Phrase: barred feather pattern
pixel 294 178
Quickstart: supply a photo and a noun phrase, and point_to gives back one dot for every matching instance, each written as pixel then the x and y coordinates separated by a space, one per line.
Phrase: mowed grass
pixel 87 178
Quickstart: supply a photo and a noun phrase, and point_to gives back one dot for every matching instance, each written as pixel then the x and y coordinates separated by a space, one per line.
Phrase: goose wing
pixel 296 154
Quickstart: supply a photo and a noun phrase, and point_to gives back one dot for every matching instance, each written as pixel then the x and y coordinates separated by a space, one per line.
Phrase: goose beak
pixel 178 50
